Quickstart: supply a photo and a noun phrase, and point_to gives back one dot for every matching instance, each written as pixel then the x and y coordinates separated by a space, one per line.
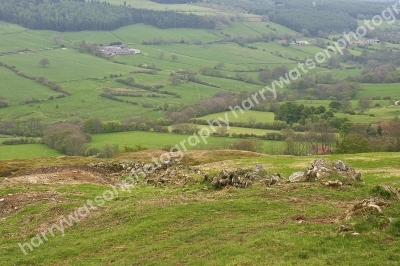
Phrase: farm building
pixel 118 50
pixel 300 42
pixel 320 150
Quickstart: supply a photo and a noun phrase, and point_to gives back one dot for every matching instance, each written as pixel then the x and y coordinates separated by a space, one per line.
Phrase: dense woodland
pixel 175 1
pixel 71 15
pixel 308 17
pixel 313 17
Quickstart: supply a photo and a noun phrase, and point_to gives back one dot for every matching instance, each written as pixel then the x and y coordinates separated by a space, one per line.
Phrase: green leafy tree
pixel 44 62
pixel 112 126
pixel 174 57
pixel 364 104
pixel 354 143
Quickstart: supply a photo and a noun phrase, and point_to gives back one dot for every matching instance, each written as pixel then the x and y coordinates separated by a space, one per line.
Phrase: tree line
pixel 175 1
pixel 78 15
pixel 52 85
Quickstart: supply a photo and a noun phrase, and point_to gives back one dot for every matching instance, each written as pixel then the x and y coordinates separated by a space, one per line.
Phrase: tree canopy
pixel 78 15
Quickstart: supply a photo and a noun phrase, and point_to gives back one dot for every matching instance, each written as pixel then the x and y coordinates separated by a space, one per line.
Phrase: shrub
pixel 66 138
pixel 111 126
pixel 136 148
pixel 253 145
pixel 17 141
pixel 91 151
pixel 108 151
pixel 354 143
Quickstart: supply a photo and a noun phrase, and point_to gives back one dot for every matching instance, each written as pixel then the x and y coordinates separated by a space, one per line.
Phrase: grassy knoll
pixel 189 225
pixel 245 117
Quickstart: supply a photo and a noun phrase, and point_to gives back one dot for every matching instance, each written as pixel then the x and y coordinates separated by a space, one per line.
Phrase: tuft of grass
pixel 379 191
pixel 394 228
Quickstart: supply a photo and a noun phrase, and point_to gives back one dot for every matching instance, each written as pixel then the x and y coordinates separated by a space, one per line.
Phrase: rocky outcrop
pixel 365 206
pixel 152 174
pixel 245 178
pixel 239 178
pixel 322 169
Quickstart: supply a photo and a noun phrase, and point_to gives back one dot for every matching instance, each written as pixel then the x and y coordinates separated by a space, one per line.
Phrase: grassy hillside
pixel 194 224
pixel 84 75
pixel 245 117
pixel 18 89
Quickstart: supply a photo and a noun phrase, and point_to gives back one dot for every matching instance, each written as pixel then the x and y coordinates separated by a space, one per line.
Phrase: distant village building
pixel 371 41
pixel 320 150
pixel 118 50
pixel 300 42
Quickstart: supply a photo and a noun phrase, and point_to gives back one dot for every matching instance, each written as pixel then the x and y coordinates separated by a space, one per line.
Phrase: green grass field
pixel 382 90
pixel 190 225
pixel 26 151
pixel 244 130
pixel 156 140
pixel 248 115
pixel 18 89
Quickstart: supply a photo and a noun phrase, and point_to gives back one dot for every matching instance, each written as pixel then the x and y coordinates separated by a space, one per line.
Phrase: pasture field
pixel 245 130
pixel 247 116
pixel 66 65
pixel 157 140
pixel 146 4
pixel 378 114
pixel 195 224
pixel 138 33
pixel 344 73
pixel 15 39
pixel 246 29
pixel 84 75
pixel 26 151
pixel 286 51
pixel 382 90
pixel 85 102
pixel 18 89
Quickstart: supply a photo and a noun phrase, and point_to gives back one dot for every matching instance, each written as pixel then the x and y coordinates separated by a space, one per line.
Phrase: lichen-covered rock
pixel 297 177
pixel 322 169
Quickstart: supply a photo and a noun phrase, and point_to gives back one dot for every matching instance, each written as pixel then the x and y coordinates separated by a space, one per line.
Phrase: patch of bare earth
pixel 65 175
pixel 13 203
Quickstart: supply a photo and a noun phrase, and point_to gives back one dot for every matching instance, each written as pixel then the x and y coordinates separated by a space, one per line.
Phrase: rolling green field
pixel 18 89
pixel 26 151
pixel 247 116
pixel 382 90
pixel 156 140
pixel 197 225
pixel 177 216
pixel 244 130
pixel 84 75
